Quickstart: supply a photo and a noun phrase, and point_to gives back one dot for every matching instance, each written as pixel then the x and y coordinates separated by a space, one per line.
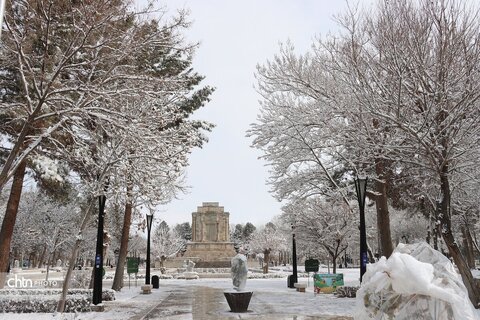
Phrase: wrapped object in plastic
pixel 416 282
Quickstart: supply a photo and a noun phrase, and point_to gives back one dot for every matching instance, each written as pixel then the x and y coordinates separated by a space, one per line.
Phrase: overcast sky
pixel 235 36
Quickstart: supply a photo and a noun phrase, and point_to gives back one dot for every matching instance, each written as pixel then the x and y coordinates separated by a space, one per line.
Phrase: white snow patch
pixel 48 168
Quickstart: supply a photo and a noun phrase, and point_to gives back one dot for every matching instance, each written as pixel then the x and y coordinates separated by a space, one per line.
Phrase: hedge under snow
pixel 46 300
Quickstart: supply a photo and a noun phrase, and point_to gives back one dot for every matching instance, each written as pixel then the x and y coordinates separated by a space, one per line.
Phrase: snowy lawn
pixel 203 299
pixel 270 297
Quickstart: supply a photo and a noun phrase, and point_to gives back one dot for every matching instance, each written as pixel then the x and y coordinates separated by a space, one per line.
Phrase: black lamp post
pixel 149 228
pixel 294 257
pixel 361 188
pixel 292 279
pixel 97 279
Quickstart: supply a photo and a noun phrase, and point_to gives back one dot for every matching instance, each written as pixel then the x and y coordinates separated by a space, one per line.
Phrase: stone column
pixel 227 227
pixel 202 229
pixel 194 229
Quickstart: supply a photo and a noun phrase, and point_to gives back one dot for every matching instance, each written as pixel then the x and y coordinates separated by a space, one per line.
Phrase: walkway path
pixel 189 300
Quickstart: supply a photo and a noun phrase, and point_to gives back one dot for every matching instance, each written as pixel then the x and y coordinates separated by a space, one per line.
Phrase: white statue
pixel 190 265
pixel 188 274
pixel 239 271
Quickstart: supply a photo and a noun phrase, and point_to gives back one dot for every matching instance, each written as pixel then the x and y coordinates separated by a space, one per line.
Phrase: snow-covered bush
pixel 257 275
pixel 45 300
pixel 346 292
pixel 43 303
pixel 107 294
pixel 80 279
pixel 265 275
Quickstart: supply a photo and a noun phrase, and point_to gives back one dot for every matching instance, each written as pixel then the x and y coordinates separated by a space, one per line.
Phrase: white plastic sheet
pixel 416 282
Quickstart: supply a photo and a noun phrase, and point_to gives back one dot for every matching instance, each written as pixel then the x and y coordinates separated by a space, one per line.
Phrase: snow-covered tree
pixel 408 227
pixel 312 137
pixel 106 89
pixel 247 231
pixel 68 64
pixel 236 235
pixel 167 242
pixel 184 230
pixel 414 66
pixel 44 226
pixel 393 95
pixel 241 235
pixel 268 240
pixel 322 226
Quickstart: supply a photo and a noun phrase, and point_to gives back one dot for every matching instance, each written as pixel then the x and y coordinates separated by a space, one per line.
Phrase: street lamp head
pixel 149 221
pixel 361 190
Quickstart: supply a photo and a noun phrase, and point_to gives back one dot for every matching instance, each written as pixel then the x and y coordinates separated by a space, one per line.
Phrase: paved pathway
pixel 204 303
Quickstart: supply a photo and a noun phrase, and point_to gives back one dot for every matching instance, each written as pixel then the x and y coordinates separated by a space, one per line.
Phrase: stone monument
pixel 210 246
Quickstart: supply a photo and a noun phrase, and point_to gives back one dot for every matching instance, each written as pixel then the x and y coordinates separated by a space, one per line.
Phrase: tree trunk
pixel 33 260
pixel 465 272
pixel 92 278
pixel 435 238
pixel 122 255
pixel 471 256
pixel 383 217
pixel 15 151
pixel 371 257
pixel 475 244
pixel 445 227
pixel 266 260
pixel 106 244
pixel 162 261
pixel 53 261
pixel 41 259
pixel 49 263
pixel 73 258
pixel 9 221
pixel 468 248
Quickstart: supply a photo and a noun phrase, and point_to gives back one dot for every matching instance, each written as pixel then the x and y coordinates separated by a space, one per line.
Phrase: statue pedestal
pixel 190 275
pixel 238 300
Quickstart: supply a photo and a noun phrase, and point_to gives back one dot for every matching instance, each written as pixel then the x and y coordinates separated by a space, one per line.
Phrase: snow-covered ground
pixel 203 299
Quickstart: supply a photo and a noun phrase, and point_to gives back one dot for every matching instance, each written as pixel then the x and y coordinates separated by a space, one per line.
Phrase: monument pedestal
pixel 238 301
pixel 190 275
pixel 210 254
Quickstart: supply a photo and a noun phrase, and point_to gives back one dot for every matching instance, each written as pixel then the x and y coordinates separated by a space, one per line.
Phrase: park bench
pixel 146 289
pixel 300 287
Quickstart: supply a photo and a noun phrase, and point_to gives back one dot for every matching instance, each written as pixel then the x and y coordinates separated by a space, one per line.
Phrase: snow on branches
pixel 81 77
